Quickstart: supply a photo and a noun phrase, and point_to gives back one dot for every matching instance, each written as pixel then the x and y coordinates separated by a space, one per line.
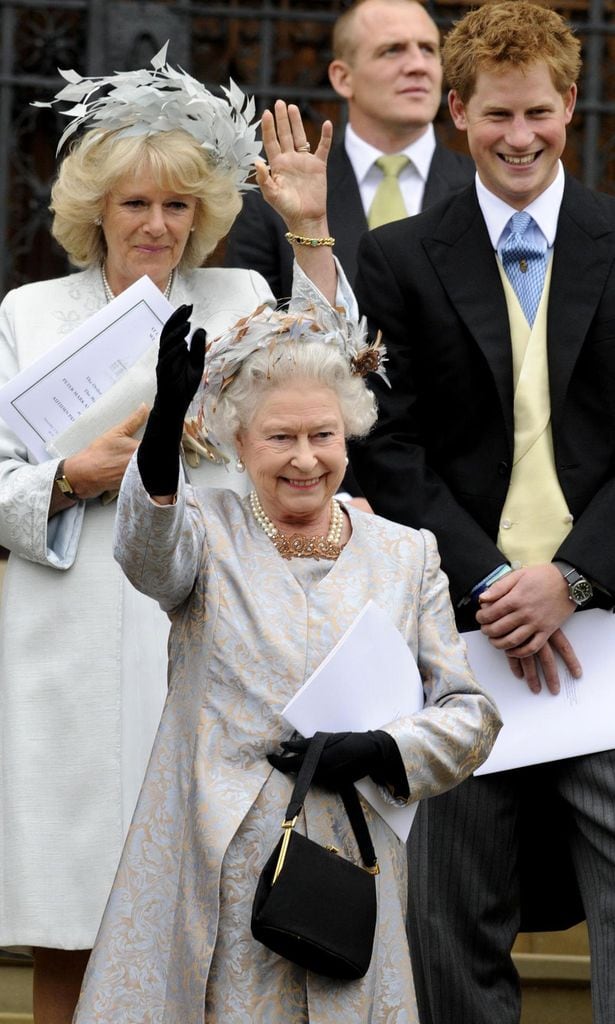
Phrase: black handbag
pixel 312 906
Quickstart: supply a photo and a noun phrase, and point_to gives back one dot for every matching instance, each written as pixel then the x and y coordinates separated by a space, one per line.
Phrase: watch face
pixel 581 591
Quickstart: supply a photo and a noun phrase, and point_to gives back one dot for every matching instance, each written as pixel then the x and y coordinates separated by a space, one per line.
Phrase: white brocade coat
pixel 175 945
pixel 82 654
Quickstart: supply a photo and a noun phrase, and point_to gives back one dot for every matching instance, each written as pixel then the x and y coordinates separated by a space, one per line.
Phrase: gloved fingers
pixel 296 745
pixel 348 757
pixel 285 764
pixel 180 369
pixel 197 350
pixel 173 337
pixel 175 340
pixel 174 346
pixel 178 323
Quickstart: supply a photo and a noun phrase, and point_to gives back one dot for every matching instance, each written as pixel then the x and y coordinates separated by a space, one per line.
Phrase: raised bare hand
pixel 295 182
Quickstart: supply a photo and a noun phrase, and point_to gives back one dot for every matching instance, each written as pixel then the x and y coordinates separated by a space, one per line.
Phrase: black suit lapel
pixel 582 258
pixel 345 210
pixel 448 173
pixel 461 255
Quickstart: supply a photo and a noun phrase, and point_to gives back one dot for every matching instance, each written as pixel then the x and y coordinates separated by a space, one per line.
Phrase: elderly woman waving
pixel 150 186
pixel 259 589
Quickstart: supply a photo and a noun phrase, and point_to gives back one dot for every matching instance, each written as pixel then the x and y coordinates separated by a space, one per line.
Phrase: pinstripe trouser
pixel 464 888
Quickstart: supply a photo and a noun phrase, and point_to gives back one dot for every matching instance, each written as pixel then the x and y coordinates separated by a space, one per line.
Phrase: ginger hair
pixel 512 33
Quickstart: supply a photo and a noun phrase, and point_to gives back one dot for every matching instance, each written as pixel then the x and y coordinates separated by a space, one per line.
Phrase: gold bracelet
pixel 302 240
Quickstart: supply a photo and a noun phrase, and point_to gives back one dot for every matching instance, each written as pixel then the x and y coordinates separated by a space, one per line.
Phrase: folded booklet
pixel 370 678
pixel 90 380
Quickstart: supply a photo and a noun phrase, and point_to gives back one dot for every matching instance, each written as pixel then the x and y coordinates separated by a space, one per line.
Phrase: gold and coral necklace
pixel 296 545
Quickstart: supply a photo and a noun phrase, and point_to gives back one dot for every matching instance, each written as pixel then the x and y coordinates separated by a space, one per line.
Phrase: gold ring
pixel 305 148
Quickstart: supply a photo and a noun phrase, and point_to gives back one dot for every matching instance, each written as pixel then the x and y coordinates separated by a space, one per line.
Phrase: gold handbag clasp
pixel 288 826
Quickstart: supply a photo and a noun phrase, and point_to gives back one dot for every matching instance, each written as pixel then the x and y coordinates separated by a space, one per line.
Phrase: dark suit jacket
pixel 257 238
pixel 441 454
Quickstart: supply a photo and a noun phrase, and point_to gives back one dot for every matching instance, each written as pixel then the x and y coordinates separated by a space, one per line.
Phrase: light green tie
pixel 388 201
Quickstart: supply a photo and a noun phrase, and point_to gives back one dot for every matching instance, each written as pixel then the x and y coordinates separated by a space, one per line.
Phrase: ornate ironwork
pixel 270 48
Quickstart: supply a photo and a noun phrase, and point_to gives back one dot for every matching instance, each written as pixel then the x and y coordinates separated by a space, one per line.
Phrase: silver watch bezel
pixel 580 590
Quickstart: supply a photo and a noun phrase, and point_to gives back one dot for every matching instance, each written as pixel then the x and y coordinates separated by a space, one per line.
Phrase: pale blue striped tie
pixel 525 264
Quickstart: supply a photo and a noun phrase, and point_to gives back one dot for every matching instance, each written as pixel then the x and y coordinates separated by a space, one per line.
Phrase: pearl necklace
pixel 109 295
pixel 296 545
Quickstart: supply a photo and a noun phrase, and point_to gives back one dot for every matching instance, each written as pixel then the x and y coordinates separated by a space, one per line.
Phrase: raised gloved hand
pixel 178 374
pixel 347 757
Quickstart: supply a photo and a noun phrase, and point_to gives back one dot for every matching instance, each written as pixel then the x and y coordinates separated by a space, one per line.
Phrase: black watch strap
pixel 64 483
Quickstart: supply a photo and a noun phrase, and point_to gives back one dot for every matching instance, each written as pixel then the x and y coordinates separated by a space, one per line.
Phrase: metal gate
pixel 270 48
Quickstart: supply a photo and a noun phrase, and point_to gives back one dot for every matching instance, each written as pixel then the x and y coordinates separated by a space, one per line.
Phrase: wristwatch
pixel 64 483
pixel 580 590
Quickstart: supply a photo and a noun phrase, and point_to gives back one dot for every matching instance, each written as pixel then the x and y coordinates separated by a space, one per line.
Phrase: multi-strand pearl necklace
pixel 296 545
pixel 109 295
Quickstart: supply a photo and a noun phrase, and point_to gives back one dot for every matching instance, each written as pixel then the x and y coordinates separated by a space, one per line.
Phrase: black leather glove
pixel 348 757
pixel 178 374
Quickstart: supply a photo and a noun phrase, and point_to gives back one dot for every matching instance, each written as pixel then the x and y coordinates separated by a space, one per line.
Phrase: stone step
pixel 15 994
pixel 551 1004
pixel 555 990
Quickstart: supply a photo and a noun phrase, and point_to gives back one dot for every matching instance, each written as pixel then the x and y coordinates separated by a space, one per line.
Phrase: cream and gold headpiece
pixel 267 328
pixel 270 329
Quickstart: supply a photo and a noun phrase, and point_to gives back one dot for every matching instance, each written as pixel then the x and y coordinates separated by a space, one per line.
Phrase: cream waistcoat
pixel 535 518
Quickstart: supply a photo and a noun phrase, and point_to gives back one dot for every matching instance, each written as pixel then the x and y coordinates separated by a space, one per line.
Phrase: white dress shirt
pixel 544 211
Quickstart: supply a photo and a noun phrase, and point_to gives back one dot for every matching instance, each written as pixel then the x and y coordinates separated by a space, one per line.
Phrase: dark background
pixel 270 49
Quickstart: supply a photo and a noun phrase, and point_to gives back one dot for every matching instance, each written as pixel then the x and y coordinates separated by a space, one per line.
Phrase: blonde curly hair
pixel 177 163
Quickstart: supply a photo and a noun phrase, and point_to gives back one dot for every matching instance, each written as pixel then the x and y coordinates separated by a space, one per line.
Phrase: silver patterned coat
pixel 175 945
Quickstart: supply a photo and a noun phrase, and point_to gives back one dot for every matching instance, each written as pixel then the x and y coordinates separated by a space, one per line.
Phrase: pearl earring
pixel 98 222
pixel 239 465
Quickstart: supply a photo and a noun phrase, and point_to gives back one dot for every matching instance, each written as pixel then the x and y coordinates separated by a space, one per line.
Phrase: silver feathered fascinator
pixel 162 100
pixel 268 328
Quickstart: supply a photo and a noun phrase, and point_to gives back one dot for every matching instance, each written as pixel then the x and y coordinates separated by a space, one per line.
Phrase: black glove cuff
pixel 393 773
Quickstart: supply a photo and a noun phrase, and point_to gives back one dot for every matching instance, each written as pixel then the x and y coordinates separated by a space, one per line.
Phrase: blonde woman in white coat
pixel 82 654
